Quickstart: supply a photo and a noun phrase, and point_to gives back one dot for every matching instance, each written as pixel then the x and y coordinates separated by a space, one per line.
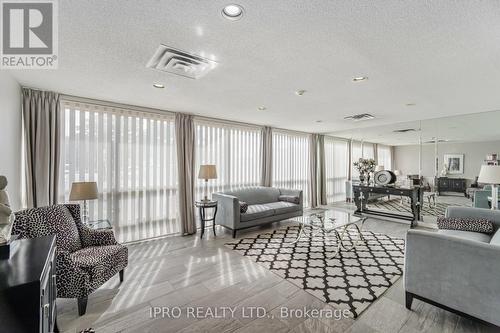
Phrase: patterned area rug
pixel 351 280
pixel 395 205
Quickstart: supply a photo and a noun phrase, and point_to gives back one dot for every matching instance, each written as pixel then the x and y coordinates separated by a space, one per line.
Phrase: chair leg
pixel 409 300
pixel 82 305
pixel 234 233
pixel 121 273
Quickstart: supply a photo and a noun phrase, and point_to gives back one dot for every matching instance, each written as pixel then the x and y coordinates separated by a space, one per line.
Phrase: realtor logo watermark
pixel 29 34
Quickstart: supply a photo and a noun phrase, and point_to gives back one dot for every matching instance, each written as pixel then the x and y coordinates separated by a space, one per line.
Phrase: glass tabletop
pixel 329 219
pixel 100 224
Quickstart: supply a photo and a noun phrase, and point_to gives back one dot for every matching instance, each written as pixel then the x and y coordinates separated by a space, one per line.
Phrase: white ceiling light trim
pixel 359 78
pixel 232 12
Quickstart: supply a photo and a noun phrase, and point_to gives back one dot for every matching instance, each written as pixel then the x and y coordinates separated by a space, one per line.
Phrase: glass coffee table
pixel 332 225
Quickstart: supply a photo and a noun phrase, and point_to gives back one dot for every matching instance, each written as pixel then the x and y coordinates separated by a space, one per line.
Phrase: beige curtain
pixel 267 156
pixel 184 132
pixel 41 117
pixel 321 171
pixel 313 171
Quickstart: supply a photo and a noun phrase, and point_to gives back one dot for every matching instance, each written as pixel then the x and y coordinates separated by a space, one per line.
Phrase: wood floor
pixel 187 272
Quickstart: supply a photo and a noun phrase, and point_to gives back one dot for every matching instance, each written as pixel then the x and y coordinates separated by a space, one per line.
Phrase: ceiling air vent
pixel 404 130
pixel 171 60
pixel 432 141
pixel 359 117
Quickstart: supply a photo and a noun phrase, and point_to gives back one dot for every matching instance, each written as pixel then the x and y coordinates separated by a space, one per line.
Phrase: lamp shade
pixel 397 172
pixel 379 168
pixel 83 191
pixel 489 174
pixel 207 171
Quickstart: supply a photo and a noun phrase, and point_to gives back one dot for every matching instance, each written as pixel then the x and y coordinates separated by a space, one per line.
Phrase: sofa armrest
pixel 101 237
pixel 228 210
pixel 71 280
pixel 459 273
pixel 295 193
pixel 492 215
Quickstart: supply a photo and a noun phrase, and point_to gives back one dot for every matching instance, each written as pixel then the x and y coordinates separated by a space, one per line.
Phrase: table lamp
pixel 490 174
pixel 207 171
pixel 83 191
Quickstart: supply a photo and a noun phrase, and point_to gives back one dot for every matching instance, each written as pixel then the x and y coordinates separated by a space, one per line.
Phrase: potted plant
pixel 365 166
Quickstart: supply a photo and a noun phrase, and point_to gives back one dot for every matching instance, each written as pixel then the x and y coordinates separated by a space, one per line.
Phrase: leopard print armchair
pixel 85 258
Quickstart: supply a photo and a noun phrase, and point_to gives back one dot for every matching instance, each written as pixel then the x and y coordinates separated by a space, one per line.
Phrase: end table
pixel 203 206
pixel 100 224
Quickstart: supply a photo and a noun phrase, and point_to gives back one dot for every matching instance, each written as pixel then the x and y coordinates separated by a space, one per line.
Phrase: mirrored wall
pixel 446 153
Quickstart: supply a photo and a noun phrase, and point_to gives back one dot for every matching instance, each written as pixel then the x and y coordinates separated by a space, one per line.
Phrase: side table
pixel 203 206
pixel 99 224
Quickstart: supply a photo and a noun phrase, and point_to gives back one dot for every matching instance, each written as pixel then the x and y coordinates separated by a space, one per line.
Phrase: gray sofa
pixel 456 270
pixel 264 206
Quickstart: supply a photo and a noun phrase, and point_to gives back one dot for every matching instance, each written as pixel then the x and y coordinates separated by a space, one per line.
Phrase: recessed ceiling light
pixel 300 92
pixel 360 78
pixel 158 85
pixel 410 104
pixel 232 12
pixel 319 121
pixel 262 108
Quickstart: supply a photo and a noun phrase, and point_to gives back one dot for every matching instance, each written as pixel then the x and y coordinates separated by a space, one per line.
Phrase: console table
pixel 445 184
pixel 28 287
pixel 415 193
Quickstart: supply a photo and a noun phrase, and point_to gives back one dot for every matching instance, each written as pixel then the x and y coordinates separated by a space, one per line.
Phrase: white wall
pixel 10 136
pixel 406 157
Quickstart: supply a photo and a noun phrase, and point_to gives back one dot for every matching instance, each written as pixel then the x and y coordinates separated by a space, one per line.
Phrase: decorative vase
pixel 368 179
pixel 361 178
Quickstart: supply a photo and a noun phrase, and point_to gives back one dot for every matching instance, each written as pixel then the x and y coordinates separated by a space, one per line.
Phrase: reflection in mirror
pixel 442 155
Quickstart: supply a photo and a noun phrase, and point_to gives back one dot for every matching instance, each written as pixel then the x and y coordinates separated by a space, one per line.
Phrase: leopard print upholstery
pixel 85 258
pixel 466 224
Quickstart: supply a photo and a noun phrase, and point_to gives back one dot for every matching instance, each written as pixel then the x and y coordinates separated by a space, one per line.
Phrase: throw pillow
pixel 243 207
pixel 289 198
pixel 466 224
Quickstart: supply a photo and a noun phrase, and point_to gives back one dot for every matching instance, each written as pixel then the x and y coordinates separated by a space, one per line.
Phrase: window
pixel 236 152
pixel 291 161
pixel 360 150
pixel 132 157
pixel 384 156
pixel 336 168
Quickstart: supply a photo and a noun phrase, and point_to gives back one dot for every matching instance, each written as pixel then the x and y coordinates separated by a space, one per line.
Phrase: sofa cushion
pixel 283 207
pixel 243 207
pixel 98 260
pixel 256 212
pixel 289 198
pixel 256 195
pixel 495 240
pixel 473 224
pixel 61 223
pixel 475 236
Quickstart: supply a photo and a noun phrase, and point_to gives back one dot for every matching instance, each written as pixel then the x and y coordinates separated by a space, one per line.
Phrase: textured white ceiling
pixel 442 55
pixel 476 127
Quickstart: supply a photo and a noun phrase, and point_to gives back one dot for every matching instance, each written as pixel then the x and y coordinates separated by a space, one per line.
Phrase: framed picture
pixel 454 163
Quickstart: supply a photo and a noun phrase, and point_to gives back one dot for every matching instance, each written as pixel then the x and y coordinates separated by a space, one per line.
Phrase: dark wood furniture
pixel 28 287
pixel 445 184
pixel 203 206
pixel 362 193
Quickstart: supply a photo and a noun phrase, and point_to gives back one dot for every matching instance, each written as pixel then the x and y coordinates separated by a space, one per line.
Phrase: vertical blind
pixel 132 157
pixel 291 161
pixel 384 156
pixel 336 168
pixel 361 150
pixel 236 152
